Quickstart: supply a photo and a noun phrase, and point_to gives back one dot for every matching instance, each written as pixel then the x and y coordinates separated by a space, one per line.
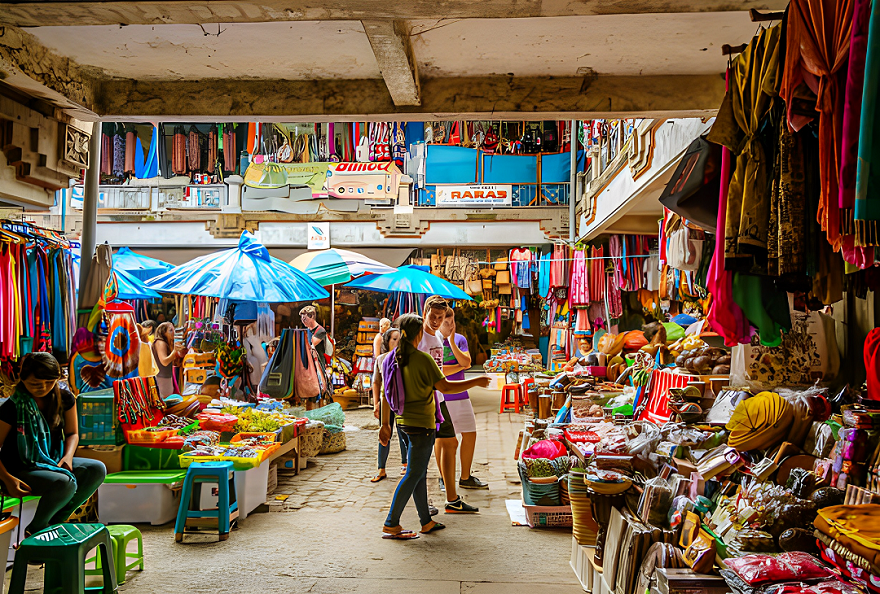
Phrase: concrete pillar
pixel 90 205
pixel 233 204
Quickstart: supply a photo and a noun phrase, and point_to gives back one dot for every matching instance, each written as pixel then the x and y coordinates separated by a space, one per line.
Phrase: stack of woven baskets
pixel 584 526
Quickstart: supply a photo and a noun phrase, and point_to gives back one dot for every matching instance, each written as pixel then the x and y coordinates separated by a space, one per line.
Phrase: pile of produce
pixel 698 358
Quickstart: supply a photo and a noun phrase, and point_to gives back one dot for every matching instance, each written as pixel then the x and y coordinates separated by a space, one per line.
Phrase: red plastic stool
pixel 510 398
pixel 524 391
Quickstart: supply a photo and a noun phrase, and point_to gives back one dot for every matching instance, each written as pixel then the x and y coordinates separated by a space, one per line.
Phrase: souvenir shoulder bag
pixel 277 380
pixel 305 375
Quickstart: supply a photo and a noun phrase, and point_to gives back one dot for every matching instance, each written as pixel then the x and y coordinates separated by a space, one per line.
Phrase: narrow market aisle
pixel 325 537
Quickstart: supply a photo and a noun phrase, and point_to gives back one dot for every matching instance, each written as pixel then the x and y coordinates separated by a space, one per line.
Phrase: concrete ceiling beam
pixel 441 99
pixel 27 66
pixel 134 12
pixel 391 45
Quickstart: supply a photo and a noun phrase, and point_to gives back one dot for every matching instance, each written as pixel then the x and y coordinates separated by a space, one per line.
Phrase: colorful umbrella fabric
pixel 139 266
pixel 409 279
pixel 335 267
pixel 244 273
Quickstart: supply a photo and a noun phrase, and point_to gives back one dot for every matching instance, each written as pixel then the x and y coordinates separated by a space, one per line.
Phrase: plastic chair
pixel 511 396
pixel 121 536
pixel 63 549
pixel 190 514
pixel 524 390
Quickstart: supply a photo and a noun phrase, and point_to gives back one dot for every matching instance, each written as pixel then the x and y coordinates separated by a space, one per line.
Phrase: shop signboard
pixel 319 236
pixel 363 181
pixel 473 195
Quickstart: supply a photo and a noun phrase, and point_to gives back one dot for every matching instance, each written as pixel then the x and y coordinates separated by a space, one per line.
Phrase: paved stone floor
pixel 325 537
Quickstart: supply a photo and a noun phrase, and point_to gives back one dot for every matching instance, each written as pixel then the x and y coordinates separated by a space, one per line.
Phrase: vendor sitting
pixel 38 430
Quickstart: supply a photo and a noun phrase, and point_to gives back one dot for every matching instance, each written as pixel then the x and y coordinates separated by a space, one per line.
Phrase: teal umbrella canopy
pixel 244 273
pixel 131 287
pixel 409 279
pixel 138 265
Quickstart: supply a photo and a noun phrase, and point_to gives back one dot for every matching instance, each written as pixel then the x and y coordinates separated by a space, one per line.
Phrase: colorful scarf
pixel 34 438
pixel 867 203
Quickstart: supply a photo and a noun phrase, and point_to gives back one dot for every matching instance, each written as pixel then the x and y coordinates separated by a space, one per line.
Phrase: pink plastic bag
pixel 547 448
pixel 760 569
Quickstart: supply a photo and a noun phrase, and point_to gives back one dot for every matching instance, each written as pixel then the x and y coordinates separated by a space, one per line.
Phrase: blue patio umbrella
pixel 131 287
pixel 244 273
pixel 409 279
pixel 138 265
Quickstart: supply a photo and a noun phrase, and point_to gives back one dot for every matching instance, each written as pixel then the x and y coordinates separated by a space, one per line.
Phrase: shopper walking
pixel 38 430
pixel 447 444
pixel 378 341
pixel 457 360
pixel 412 378
pixel 390 340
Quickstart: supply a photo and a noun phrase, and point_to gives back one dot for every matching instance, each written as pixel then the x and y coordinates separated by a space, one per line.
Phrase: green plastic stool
pixel 121 536
pixel 63 549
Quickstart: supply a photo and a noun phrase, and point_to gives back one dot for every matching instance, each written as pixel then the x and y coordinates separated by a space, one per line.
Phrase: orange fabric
pixel 818 37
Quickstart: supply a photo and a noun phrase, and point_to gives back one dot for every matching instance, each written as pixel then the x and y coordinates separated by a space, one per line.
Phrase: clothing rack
pixel 572 259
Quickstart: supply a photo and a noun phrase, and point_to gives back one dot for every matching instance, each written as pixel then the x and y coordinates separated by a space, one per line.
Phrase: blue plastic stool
pixel 190 514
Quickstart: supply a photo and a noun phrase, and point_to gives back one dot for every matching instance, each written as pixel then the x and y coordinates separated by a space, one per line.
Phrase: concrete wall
pixel 620 195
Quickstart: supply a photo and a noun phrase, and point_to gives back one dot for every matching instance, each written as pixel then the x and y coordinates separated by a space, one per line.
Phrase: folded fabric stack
pixel 849 539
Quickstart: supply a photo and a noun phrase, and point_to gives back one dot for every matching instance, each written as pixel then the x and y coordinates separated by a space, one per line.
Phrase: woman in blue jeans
pixel 410 378
pixel 38 430
pixel 389 342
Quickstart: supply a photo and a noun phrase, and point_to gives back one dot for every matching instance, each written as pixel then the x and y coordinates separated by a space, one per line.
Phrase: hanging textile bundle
pixel 230 153
pixel 106 150
pixel 122 348
pixel 86 371
pixel 194 149
pixel 111 290
pixel 119 151
pixel 130 141
pixel 867 190
pixel 212 149
pixel 230 359
pixel 178 151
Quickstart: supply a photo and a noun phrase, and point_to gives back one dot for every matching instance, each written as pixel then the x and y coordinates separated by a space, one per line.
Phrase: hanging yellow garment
pixel 754 82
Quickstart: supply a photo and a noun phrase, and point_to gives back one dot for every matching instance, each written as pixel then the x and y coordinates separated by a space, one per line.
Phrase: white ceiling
pixel 643 44
pixel 279 50
pixel 640 44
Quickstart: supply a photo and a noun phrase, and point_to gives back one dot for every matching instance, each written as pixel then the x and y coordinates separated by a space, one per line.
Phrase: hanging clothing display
pixel 37 292
pixel 752 85
pixel 579 293
pixel 818 36
pixel 521 267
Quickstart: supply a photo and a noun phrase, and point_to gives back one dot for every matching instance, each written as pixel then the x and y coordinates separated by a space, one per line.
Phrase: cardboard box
pixel 110 455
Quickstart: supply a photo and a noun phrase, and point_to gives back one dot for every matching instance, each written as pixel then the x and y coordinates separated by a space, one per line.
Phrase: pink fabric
pixel 725 316
pixel 657 409
pixel 546 448
pixel 579 293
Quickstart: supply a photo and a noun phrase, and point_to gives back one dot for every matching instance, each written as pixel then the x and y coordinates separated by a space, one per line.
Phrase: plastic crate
pixel 97 418
pixel 539 516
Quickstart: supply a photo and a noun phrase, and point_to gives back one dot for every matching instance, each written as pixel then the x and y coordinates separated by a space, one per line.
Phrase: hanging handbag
pixel 685 249
pixel 503 277
pixel 305 375
pixel 457 267
pixel 277 380
pixel 363 150
pixel 692 192
pixel 500 264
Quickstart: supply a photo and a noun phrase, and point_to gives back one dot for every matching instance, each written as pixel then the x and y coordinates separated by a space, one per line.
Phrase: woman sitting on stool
pixel 38 430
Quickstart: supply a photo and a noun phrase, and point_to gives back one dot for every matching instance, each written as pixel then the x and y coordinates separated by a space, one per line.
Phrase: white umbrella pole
pixel 333 311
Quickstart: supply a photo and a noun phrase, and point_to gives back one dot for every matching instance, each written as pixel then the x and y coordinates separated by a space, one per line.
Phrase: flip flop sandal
pixel 403 470
pixel 434 528
pixel 378 477
pixel 402 535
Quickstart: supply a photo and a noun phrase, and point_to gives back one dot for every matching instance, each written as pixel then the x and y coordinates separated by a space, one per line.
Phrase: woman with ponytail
pixel 410 378
pixel 38 430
